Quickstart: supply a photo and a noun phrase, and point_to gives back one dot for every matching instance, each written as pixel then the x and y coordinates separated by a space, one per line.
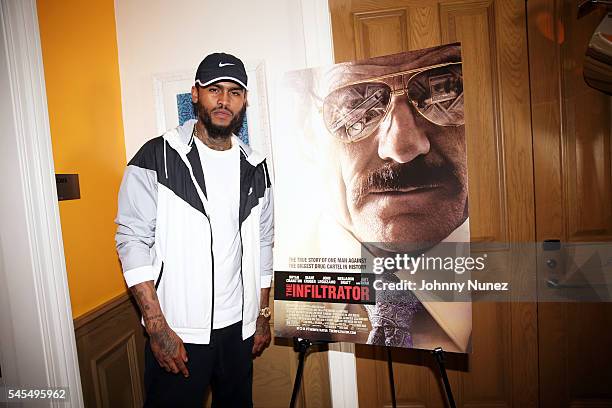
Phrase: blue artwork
pixel 185 112
pixel 243 134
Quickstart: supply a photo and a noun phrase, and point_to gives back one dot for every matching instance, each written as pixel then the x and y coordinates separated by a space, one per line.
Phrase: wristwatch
pixel 265 312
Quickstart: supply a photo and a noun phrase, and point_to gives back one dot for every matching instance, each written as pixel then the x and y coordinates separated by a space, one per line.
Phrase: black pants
pixel 226 364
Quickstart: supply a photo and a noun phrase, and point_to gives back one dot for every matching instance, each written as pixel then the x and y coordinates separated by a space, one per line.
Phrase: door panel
pixel 369 27
pixel 473 25
pixel 571 138
pixel 571 128
pixel 502 370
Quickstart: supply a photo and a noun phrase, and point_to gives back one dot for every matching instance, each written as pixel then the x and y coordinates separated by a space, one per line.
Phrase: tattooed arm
pixel 167 347
pixel 262 329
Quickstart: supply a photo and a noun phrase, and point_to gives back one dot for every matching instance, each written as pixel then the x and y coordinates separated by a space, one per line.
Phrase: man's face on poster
pixel 398 134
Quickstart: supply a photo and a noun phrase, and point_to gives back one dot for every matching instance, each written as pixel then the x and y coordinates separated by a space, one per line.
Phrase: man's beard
pixel 216 131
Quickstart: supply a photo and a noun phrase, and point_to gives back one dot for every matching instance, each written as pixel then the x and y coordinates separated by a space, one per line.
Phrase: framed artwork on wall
pixel 173 107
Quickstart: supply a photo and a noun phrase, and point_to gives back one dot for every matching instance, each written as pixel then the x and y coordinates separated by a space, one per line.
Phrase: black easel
pixel 439 355
pixel 301 346
pixel 391 380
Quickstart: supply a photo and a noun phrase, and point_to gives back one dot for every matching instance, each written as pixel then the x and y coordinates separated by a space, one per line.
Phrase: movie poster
pixel 371 203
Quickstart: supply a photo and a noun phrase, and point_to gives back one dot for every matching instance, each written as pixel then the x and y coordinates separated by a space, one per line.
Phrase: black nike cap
pixel 221 67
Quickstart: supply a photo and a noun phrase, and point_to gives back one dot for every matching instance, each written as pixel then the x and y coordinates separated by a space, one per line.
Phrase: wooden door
pixel 502 371
pixel 573 176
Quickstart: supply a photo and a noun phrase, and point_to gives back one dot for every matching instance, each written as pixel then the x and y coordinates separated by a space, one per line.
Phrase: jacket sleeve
pixel 136 215
pixel 266 234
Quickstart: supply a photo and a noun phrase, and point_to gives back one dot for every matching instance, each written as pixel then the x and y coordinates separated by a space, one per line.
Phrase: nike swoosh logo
pixel 222 64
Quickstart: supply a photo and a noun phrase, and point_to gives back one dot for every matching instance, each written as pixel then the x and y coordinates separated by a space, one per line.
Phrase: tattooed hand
pixel 262 336
pixel 167 347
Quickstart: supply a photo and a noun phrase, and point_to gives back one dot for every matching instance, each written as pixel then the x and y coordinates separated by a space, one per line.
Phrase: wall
pixel 159 37
pixel 82 60
pixel 83 92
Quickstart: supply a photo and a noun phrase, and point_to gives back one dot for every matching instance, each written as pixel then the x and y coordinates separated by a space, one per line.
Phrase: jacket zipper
pixel 212 268
pixel 161 272
pixel 241 276
pixel 242 152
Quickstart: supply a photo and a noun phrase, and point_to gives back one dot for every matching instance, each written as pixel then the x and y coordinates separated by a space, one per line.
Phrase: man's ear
pixel 194 94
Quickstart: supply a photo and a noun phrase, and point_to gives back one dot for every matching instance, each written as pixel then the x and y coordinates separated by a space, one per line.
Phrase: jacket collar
pixel 181 140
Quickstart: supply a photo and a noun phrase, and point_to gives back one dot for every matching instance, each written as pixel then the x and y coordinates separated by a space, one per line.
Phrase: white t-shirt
pixel 222 179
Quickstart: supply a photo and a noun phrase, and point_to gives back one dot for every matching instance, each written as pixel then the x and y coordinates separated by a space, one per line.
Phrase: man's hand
pixel 262 336
pixel 167 347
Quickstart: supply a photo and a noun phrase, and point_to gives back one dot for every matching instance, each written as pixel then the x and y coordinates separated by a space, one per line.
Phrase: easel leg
pixel 302 346
pixel 439 355
pixel 391 380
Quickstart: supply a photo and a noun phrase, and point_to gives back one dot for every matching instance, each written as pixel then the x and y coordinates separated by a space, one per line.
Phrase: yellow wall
pixel 79 49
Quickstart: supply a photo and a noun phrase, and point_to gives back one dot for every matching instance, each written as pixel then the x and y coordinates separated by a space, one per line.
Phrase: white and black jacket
pixel 164 233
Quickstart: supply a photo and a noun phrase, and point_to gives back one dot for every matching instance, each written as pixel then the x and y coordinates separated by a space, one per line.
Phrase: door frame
pixel 37 341
pixel 318 42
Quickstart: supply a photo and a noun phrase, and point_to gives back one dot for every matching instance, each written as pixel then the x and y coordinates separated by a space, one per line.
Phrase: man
pixel 388 138
pixel 195 233
pixel 402 159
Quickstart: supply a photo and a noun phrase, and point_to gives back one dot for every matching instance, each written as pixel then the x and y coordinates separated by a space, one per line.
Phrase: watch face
pixel 265 312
